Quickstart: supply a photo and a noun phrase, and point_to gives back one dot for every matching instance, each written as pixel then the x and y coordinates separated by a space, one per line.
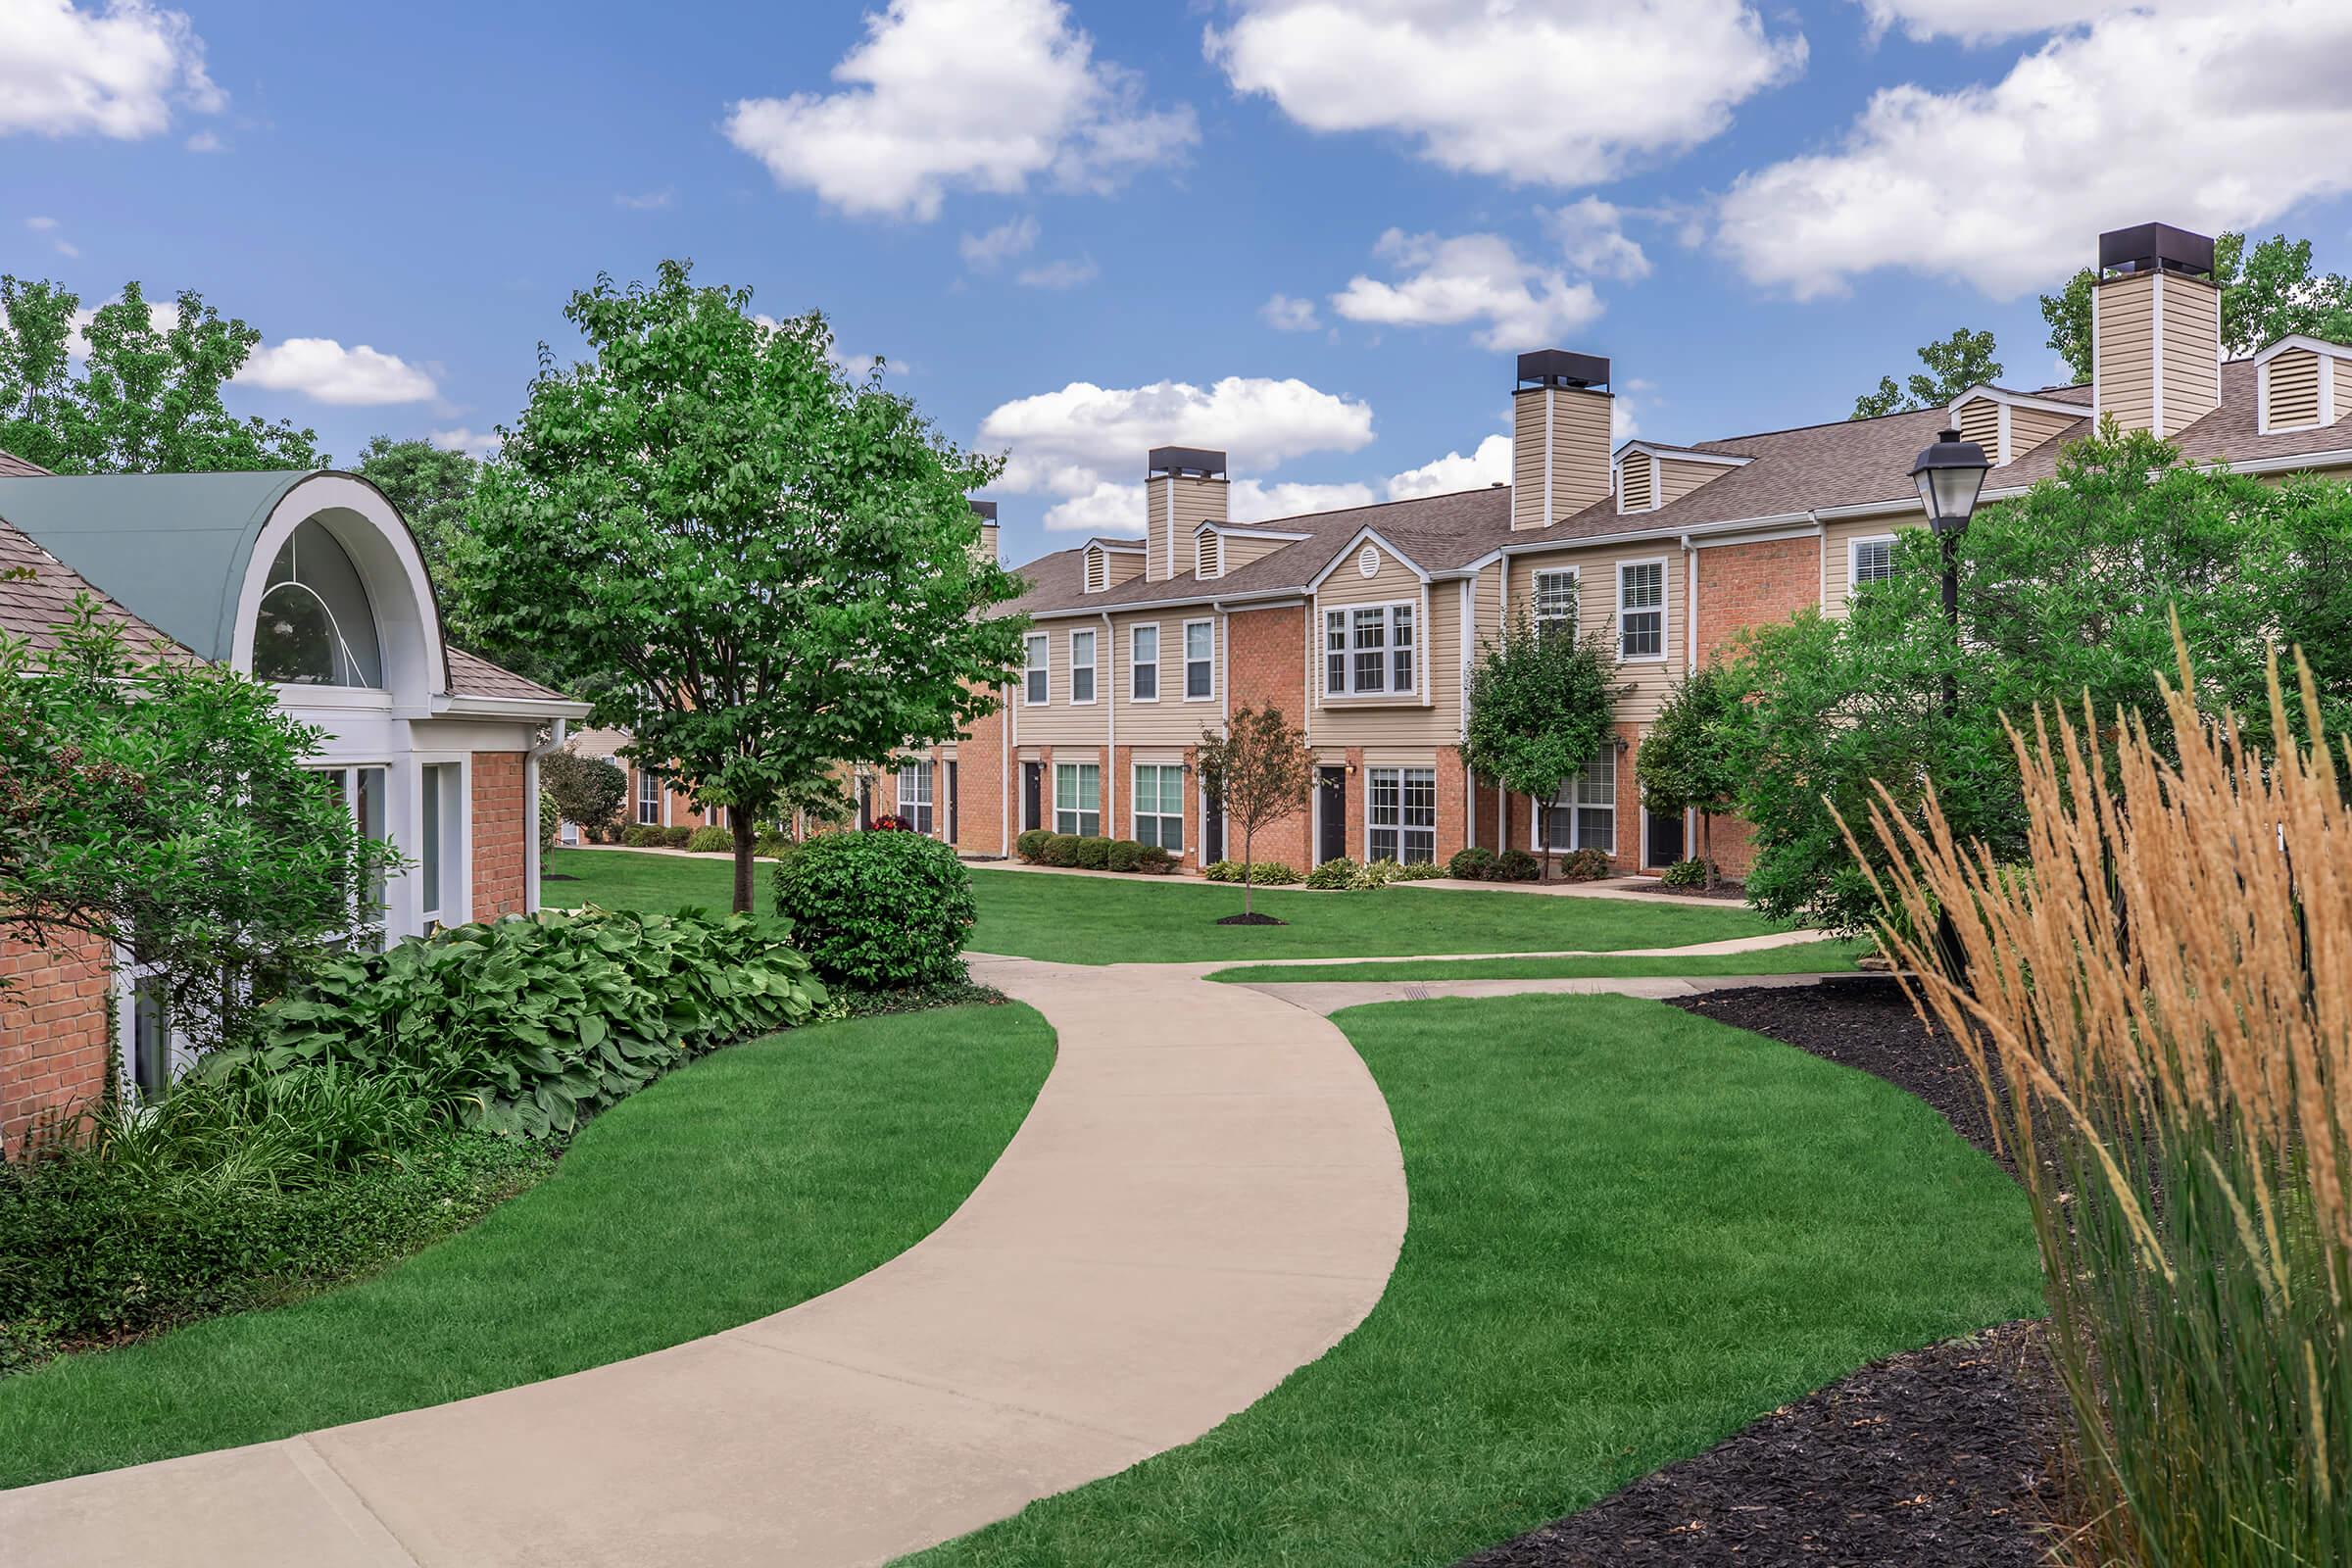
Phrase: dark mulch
pixel 1728 892
pixel 1251 918
pixel 1939 1455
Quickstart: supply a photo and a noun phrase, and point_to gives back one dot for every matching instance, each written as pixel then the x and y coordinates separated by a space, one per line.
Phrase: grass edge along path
pixel 1632 1232
pixel 745 1183
pixel 1831 956
pixel 1092 919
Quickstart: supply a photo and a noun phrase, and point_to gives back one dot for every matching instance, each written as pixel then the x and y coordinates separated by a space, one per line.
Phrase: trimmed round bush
pixel 713 840
pixel 1418 871
pixel 1475 863
pixel 1124 854
pixel 1094 853
pixel 1517 865
pixel 878 911
pixel 1060 850
pixel 1031 846
pixel 643 836
pixel 1690 873
pixel 1155 861
pixel 1585 865
pixel 678 838
pixel 1335 874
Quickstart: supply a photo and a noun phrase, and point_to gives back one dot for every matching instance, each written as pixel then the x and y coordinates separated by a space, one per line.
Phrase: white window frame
pixel 918 788
pixel 1076 773
pixel 1406 834
pixel 1093 654
pixel 455 830
pixel 1576 589
pixel 1137 816
pixel 648 798
pixel 350 769
pixel 177 1054
pixel 1137 664
pixel 1658 610
pixel 1211 695
pixel 1568 807
pixel 1854 558
pixel 1388 611
pixel 1036 669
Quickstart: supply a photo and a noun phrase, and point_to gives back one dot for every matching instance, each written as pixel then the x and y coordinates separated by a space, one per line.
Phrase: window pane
pixel 429 857
pixel 1371 643
pixel 1200 638
pixel 1874 560
pixel 1555 599
pixel 1402 659
pixel 1643 585
pixel 1146 645
pixel 1335 651
pixel 1147 682
pixel 314 626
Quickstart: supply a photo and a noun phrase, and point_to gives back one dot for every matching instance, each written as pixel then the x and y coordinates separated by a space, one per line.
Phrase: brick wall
pixel 1747 585
pixel 500 835
pixel 53 1034
pixel 980 782
pixel 1265 657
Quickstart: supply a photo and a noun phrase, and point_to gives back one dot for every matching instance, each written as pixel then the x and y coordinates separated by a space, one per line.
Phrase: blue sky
pixel 1310 231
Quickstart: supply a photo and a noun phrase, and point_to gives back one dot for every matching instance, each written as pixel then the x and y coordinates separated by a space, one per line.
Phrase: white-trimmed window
pixel 1199 660
pixel 362 791
pixel 1143 663
pixel 915 794
pixel 440 875
pixel 151 1059
pixel 1641 611
pixel 1038 675
pixel 1584 814
pixel 1870 560
pixel 649 797
pixel 1368 651
pixel 1078 799
pixel 1160 805
pixel 1082 667
pixel 1555 599
pixel 1401 814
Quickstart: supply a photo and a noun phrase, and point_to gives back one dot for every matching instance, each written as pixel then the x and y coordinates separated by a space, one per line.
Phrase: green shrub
pixel 1094 853
pixel 94 1249
pixel 643 836
pixel 1474 863
pixel 1335 874
pixel 771 844
pixel 678 838
pixel 1375 875
pixel 1031 846
pixel 880 911
pixel 1155 861
pixel 1124 854
pixel 550 822
pixel 530 1026
pixel 1585 865
pixel 1060 850
pixel 712 840
pixel 1263 873
pixel 1418 871
pixel 1222 871
pixel 1690 873
pixel 1517 865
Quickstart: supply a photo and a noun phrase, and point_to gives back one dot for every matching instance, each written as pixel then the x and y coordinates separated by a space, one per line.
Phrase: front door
pixel 1664 840
pixel 1033 795
pixel 954 798
pixel 1331 813
pixel 1212 831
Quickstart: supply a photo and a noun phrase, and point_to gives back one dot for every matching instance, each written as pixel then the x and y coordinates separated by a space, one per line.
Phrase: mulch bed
pixel 1941 1455
pixel 1727 892
pixel 1253 918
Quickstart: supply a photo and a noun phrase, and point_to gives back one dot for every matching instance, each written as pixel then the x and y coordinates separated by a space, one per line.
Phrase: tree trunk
pixel 1247 868
pixel 1706 844
pixel 744 838
pixel 1544 841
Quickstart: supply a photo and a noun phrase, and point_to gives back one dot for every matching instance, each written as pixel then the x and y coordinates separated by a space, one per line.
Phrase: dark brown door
pixel 1033 793
pixel 954 798
pixel 1332 812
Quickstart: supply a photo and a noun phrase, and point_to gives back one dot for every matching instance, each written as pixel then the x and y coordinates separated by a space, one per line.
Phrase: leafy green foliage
pixel 1257 772
pixel 550 822
pixel 713 840
pixel 2268 293
pixel 531 1026
pixel 1093 853
pixel 1264 873
pixel 588 790
pixel 644 836
pixel 1585 865
pixel 1472 862
pixel 758 567
pixel 1543 704
pixel 879 910
pixel 165 806
pixel 677 836
pixel 1335 876
pixel 1691 873
pixel 433 486
pixel 1517 865
pixel 2067 592
pixel 143 400
pixel 1031 846
pixel 1954 364
pixel 1690 759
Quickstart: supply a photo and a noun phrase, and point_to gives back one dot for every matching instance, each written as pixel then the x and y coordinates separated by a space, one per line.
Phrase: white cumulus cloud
pixel 2204 112
pixel 323 369
pixel 1558 92
pixel 1591 236
pixel 1068 272
pixel 1287 315
pixel 476 443
pixel 984 252
pixel 948 95
pixel 118 70
pixel 1468 279
pixel 1490 464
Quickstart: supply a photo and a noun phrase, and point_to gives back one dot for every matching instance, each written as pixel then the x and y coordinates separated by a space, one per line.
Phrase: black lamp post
pixel 1949 475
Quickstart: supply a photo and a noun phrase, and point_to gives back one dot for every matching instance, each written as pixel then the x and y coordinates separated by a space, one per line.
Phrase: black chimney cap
pixel 987 509
pixel 1560 367
pixel 1184 460
pixel 2148 247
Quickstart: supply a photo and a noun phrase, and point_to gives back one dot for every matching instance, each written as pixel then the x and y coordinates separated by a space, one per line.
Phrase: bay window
pixel 1078 799
pixel 1401 814
pixel 1160 805
pixel 1368 651
pixel 440 871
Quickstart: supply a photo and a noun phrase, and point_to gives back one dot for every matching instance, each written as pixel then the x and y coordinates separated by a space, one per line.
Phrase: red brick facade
pixel 1266 659
pixel 1751 585
pixel 502 830
pixel 53 1035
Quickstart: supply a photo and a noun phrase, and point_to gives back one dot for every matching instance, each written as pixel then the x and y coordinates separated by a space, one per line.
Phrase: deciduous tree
pixel 776 568
pixel 587 790
pixel 1954 364
pixel 1257 773
pixel 1689 760
pixel 1543 704
pixel 2268 293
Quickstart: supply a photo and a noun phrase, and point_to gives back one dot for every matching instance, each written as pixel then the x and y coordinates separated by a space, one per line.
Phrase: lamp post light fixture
pixel 1950 474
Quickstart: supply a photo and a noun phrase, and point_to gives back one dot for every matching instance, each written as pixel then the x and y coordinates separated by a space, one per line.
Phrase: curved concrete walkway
pixel 1207 1194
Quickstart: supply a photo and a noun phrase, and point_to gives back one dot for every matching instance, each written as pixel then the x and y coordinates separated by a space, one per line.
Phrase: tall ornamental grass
pixel 2159 1009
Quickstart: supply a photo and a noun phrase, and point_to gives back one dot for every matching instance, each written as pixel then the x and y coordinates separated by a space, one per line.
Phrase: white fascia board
pixel 1347 552
pixel 2297 340
pixel 523 708
pixel 1783 520
pixel 1243 531
pixel 1684 453
pixel 1258 599
pixel 1989 393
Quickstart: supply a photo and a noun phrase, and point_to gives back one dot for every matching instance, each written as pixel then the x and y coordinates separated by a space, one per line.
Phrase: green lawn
pixel 1083 920
pixel 1803 957
pixel 757 1178
pixel 1632 1232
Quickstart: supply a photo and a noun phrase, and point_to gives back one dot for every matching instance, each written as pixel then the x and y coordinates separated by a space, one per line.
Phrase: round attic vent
pixel 1367 561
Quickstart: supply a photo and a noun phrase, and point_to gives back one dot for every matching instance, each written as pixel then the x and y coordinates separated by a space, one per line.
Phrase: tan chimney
pixel 1183 488
pixel 1560 436
pixel 2155 329
pixel 987 549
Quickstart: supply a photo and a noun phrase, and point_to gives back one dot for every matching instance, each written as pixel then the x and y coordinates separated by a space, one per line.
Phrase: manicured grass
pixel 1632 1231
pixel 755 1179
pixel 1803 957
pixel 1083 920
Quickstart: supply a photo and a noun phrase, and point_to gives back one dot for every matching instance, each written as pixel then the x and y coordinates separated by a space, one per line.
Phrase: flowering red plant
pixel 891 823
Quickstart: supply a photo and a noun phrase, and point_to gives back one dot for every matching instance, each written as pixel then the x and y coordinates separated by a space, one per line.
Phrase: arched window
pixel 314 626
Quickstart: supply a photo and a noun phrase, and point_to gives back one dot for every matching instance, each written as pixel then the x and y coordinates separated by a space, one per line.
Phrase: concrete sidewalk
pixel 1207 1194
pixel 1327 997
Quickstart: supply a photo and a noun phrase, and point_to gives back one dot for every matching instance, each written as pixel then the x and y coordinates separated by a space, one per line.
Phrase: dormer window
pixel 1637 482
pixel 1097 569
pixel 1208 554
pixel 314 626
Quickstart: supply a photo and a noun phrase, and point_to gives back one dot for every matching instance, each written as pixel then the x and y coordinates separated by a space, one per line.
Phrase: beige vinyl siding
pixel 1838 553
pixel 1402 721
pixel 1678 477
pixel 1597 607
pixel 1240 550
pixel 1197 501
pixel 2126 349
pixel 1170 722
pixel 1637 487
pixel 2030 427
pixel 2343 387
pixel 2294 378
pixel 1348 585
pixel 1980 420
pixel 1579 442
pixel 2193 364
pixel 1060 722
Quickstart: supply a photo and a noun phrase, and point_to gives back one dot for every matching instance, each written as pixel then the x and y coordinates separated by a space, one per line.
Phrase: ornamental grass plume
pixel 2158 1007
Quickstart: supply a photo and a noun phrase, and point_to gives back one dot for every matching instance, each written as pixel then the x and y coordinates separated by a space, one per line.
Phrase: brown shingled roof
pixel 473 676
